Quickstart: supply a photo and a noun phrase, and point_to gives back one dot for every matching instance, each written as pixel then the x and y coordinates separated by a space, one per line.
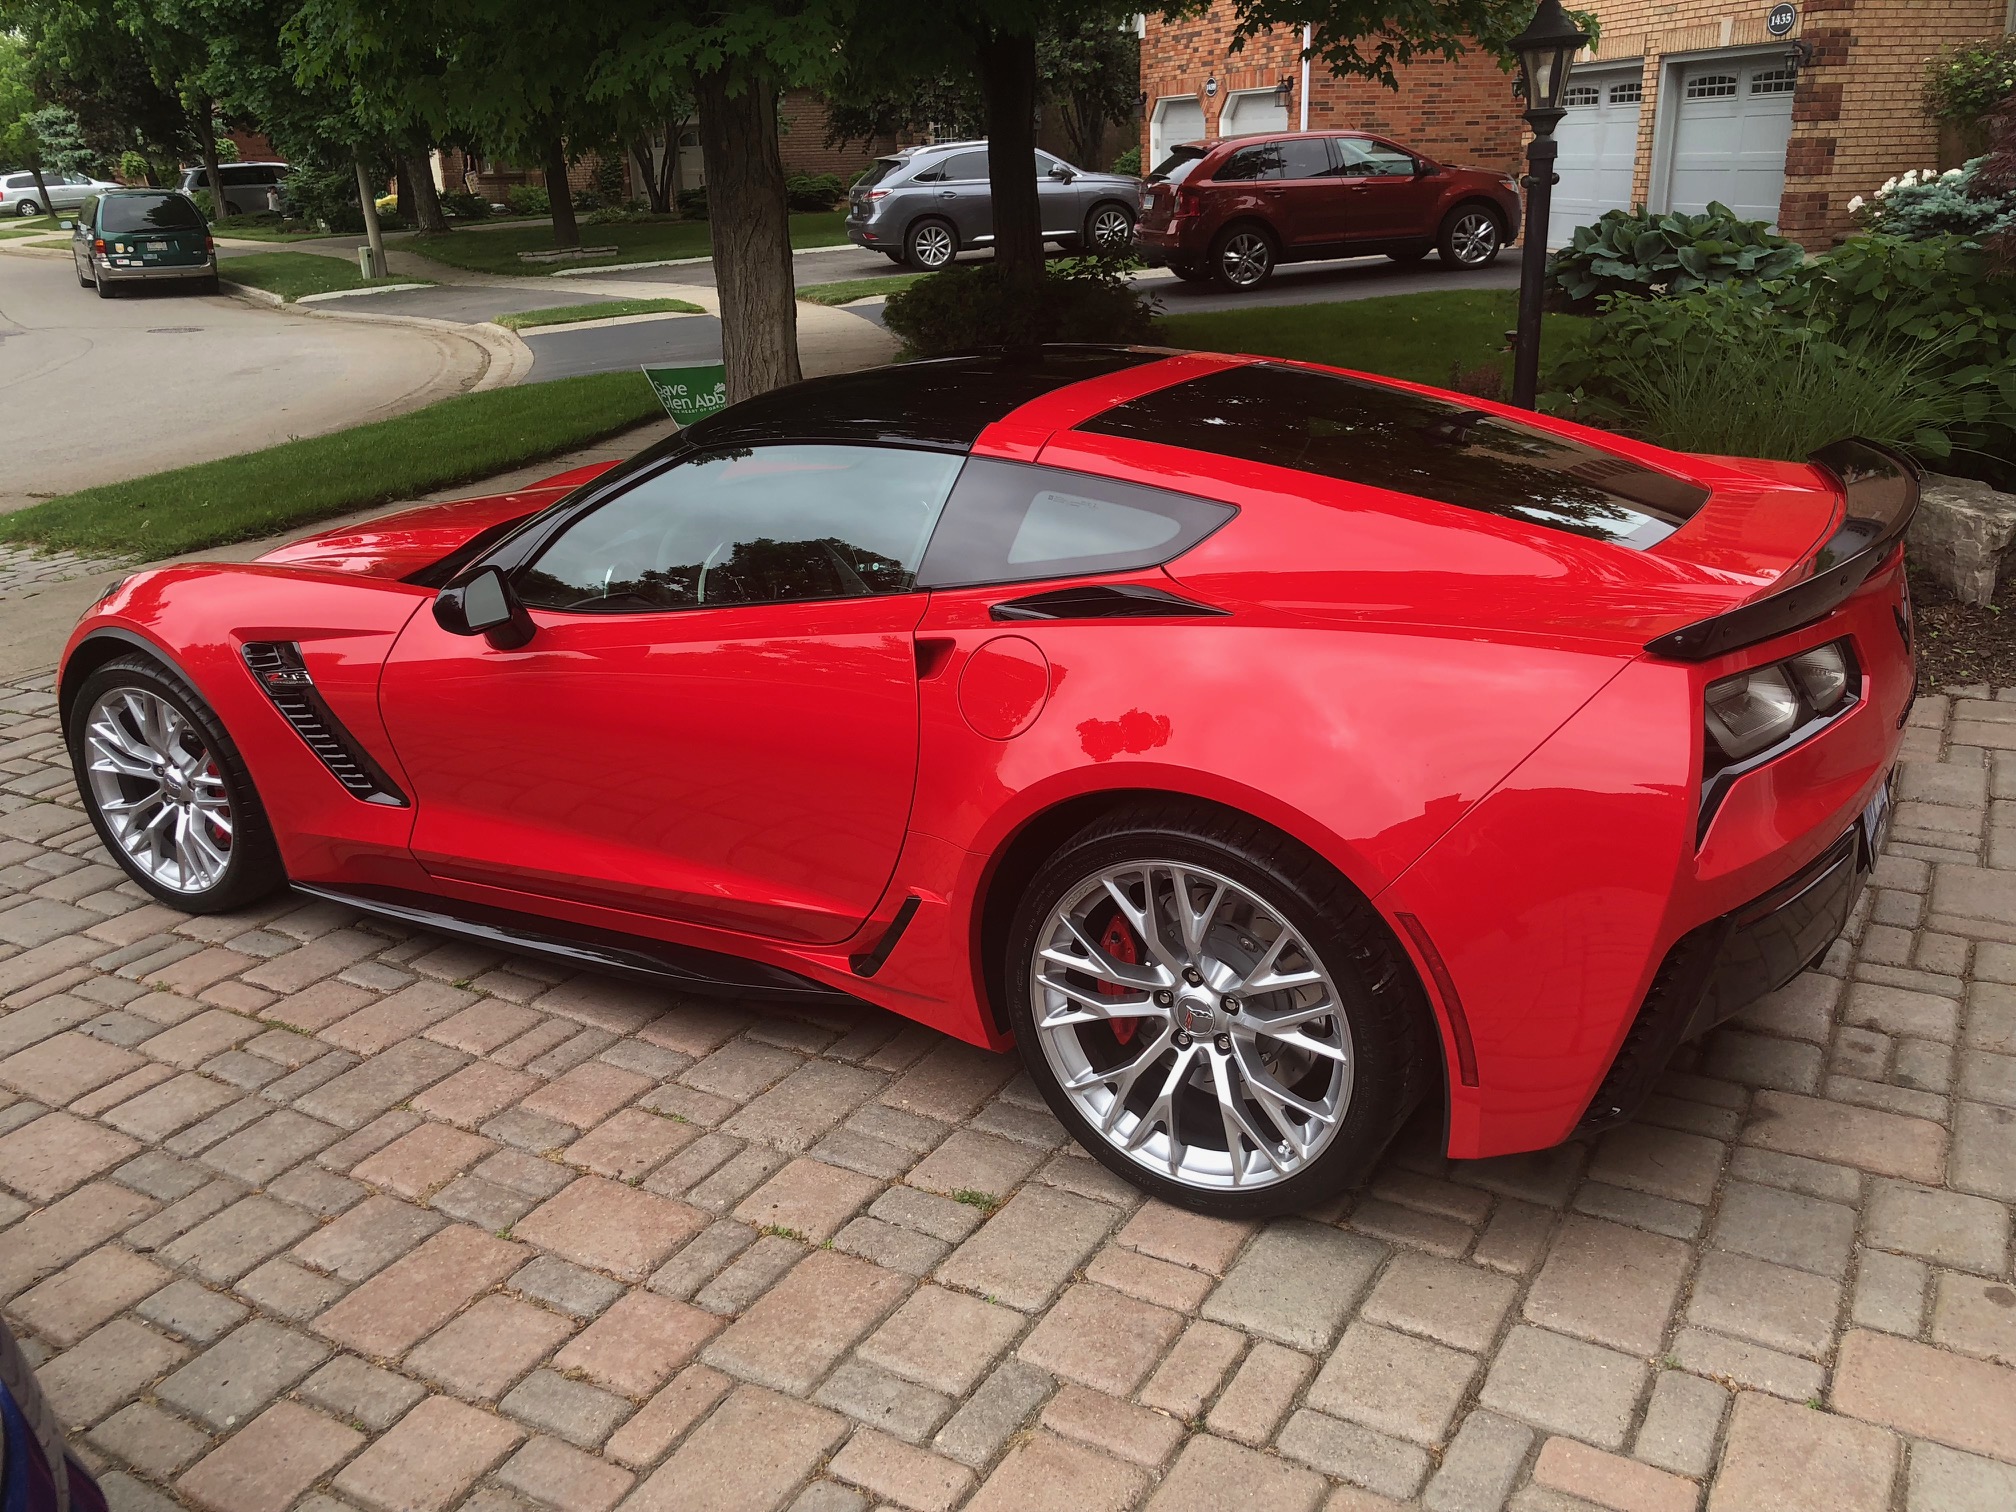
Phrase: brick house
pixel 1680 102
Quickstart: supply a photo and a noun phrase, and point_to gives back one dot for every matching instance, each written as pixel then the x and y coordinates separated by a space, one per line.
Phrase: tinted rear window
pixel 1364 432
pixel 150 212
pixel 878 170
pixel 1176 167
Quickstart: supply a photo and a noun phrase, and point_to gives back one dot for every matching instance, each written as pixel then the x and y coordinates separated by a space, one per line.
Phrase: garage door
pixel 1729 133
pixel 1599 148
pixel 1178 118
pixel 1252 112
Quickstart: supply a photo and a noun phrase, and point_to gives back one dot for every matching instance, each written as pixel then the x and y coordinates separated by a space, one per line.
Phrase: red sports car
pixel 1260 748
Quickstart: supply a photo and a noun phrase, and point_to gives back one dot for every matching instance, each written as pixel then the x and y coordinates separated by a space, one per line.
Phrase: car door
pixel 1058 197
pixel 1390 199
pixel 715 719
pixel 1314 199
pixel 963 195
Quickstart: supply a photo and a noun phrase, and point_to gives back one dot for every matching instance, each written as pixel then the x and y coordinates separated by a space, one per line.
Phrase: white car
pixel 19 196
pixel 249 188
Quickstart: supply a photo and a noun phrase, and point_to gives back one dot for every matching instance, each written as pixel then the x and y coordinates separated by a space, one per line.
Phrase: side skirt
pixel 705 973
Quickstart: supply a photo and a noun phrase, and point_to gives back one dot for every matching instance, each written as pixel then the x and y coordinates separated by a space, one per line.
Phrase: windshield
pixel 150 212
pixel 1176 167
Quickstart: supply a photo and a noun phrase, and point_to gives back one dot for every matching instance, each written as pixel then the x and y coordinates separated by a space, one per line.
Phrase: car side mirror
pixel 1062 174
pixel 484 605
pixel 1425 169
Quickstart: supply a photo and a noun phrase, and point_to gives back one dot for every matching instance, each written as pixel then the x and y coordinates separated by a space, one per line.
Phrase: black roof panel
pixel 944 402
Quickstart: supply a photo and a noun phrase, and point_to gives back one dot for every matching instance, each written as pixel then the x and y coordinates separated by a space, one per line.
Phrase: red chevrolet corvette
pixel 1260 748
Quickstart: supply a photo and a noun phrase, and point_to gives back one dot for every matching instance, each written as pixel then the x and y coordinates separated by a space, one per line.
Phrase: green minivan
pixel 142 236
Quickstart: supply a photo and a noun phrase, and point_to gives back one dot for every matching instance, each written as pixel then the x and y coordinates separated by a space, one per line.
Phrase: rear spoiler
pixel 1881 490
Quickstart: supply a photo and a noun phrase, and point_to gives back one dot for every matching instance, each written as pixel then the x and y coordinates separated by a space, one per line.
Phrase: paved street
pixel 94 391
pixel 299 1211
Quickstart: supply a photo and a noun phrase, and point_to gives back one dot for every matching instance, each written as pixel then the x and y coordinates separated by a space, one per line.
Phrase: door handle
pixel 947 194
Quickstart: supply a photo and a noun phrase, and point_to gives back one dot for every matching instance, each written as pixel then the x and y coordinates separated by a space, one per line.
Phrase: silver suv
pixel 925 205
pixel 249 188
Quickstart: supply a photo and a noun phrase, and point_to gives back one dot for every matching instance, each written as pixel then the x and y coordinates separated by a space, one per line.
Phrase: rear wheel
pixel 27 208
pixel 106 288
pixel 207 285
pixel 167 790
pixel 1470 237
pixel 1214 1013
pixel 1109 228
pixel 1243 257
pixel 930 245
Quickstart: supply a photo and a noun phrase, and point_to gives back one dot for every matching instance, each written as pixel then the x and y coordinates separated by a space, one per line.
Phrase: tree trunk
pixel 211 171
pixel 673 168
pixel 566 230
pixel 42 191
pixel 750 231
pixel 647 170
pixel 1006 64
pixel 402 188
pixel 367 196
pixel 425 210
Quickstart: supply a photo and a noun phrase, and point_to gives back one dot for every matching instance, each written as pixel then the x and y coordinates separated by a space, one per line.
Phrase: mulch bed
pixel 1960 644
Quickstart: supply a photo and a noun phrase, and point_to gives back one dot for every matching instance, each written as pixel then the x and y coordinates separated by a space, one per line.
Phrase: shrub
pixel 1958 202
pixel 205 206
pixel 813 191
pixel 1632 252
pixel 528 199
pixel 618 215
pixel 325 194
pixel 1082 299
pixel 463 205
pixel 1129 162
pixel 133 168
pixel 1969 82
pixel 693 203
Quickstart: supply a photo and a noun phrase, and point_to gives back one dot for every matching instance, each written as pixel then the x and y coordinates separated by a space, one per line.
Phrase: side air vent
pixel 284 675
pixel 1102 601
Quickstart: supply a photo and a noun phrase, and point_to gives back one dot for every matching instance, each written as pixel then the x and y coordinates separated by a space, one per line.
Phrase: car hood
pixel 401 544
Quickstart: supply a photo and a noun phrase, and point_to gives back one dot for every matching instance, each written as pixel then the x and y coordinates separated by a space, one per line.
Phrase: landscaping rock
pixel 1962 534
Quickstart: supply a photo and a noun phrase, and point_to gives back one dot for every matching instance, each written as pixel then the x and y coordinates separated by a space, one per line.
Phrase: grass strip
pixel 262 493
pixel 847 290
pixel 634 241
pixel 265 228
pixel 293 274
pixel 1449 338
pixel 608 309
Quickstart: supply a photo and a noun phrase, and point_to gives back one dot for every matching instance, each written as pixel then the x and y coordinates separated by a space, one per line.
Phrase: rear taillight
pixel 875 194
pixel 209 242
pixel 98 245
pixel 1188 202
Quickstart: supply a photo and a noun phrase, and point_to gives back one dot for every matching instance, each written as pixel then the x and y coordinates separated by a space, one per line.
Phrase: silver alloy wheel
pixel 1220 1057
pixel 1474 238
pixel 932 245
pixel 1247 259
pixel 1111 227
pixel 27 208
pixel 158 788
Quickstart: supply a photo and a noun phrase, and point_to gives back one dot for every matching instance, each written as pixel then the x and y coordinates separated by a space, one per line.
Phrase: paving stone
pixel 1885 1143
pixel 1681 1423
pixel 1215 1476
pixel 928 1214
pixel 802 1109
pixel 1046 1470
pixel 419 1163
pixel 69 1305
pixel 1889 1292
pixel 1662 1162
pixel 637 1344
pixel 384 1081
pixel 480 1353
pixel 943 1339
pixel 1762 1060
pixel 1027 1249
pixel 222 1248
pixel 1148 1279
pixel 1658 1215
pixel 573 1410
pixel 1398 1384
pixel 1609 1284
pixel 1781 1308
pixel 230 1382
pixel 803 1324
pixel 425 1464
pixel 57 1153
pixel 192 1311
pixel 154 1442
pixel 1945 1480
pixel 1892 1010
pixel 1984 1150
pixel 1295 1283
pixel 359 1393
pixel 1565 1385
pixel 1611 1480
pixel 688 1398
pixel 808 1197
pixel 475 1094
pixel 366 1239
pixel 568 1288
pixel 901 1474
pixel 753 1272
pixel 746 1457
pixel 887 1402
pixel 1948 1227
pixel 1786 1458
pixel 64 1067
pixel 1359 1455
pixel 1191 1373
pixel 1261 1393
pixel 527 1175
pixel 1404 1225
pixel 630 1145
pixel 990 1417
pixel 950 1082
pixel 561 1476
pixel 1481 1465
pixel 1745 1364
pixel 264 1150
pixel 323 1193
pixel 1925 1392
pixel 1515 1240
pixel 411 1298
pixel 1785 1227
pixel 267 1466
pixel 106 1371
pixel 610 1227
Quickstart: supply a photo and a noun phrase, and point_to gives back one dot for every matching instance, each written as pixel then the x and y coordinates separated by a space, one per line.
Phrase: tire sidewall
pixel 910 244
pixel 1379 1057
pixel 1224 240
pixel 1445 238
pixel 254 869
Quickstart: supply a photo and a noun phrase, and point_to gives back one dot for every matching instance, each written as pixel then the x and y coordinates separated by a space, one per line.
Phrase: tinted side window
pixel 967 165
pixel 1249 163
pixel 775 524
pixel 1305 158
pixel 1011 522
pixel 1363 159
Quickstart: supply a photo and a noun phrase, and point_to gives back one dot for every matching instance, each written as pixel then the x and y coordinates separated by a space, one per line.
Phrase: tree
pixel 1370 39
pixel 82 57
pixel 1091 70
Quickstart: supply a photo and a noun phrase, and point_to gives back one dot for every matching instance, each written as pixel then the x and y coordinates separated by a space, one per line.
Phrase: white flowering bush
pixel 1925 202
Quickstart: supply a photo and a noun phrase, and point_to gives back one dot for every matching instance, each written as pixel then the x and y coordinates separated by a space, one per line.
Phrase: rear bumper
pixel 1160 249
pixel 154 274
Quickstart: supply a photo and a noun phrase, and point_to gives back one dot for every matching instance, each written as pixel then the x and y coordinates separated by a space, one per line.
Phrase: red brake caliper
pixel 1119 943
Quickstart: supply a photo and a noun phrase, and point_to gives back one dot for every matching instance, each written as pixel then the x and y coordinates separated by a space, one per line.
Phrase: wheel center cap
pixel 1195 1015
pixel 175 785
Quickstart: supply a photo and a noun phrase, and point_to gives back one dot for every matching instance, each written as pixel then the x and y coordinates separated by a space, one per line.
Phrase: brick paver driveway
pixel 305 1212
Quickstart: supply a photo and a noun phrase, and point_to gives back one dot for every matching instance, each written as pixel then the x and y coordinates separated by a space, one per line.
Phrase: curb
pixel 506 360
pixel 681 262
pixel 392 288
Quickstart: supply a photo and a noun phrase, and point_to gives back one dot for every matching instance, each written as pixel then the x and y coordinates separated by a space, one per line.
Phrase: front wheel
pixel 1243 258
pixel 167 790
pixel 1109 228
pixel 1470 238
pixel 930 245
pixel 1213 1012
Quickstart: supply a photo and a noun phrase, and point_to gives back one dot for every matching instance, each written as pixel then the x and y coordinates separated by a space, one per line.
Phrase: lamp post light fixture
pixel 1546 52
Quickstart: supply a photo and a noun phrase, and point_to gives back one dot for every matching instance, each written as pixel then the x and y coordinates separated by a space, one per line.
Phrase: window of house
pixel 1582 95
pixel 1628 94
pixel 1773 81
pixel 1711 86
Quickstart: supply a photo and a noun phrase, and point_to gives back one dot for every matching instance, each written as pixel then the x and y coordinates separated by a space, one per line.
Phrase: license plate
pixel 1876 819
pixel 154 246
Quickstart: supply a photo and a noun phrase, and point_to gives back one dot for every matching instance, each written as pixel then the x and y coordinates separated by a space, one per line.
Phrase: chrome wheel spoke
pixel 152 780
pixel 1093 1007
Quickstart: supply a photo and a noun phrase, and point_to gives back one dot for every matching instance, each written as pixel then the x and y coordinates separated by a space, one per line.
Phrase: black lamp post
pixel 1546 51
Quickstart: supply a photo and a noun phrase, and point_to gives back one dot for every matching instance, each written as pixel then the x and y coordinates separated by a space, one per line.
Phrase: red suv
pixel 1234 209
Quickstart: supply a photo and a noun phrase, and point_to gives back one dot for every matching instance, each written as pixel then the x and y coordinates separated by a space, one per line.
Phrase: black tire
pixel 1108 215
pixel 893 255
pixel 253 870
pixel 1471 236
pixel 27 209
pixel 930 244
pixel 1411 254
pixel 1390 1023
pixel 1190 274
pixel 1243 257
pixel 82 281
pixel 207 285
pixel 105 287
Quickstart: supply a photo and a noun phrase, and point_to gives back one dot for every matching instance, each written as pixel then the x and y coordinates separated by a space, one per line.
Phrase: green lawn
pixel 639 241
pixel 850 289
pixel 1424 338
pixel 292 274
pixel 265 228
pixel 35 225
pixel 607 309
pixel 261 493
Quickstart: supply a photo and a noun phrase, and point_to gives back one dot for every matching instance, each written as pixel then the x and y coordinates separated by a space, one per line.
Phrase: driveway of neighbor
pixel 298 1211
pixel 94 391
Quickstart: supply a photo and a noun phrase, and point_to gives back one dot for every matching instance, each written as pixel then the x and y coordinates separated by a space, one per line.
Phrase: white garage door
pixel 1252 112
pixel 1730 128
pixel 1178 118
pixel 1599 148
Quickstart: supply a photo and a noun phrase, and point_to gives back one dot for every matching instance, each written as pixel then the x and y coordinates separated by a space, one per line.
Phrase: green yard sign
pixel 689 393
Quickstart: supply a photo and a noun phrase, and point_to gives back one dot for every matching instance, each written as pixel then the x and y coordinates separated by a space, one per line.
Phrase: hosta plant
pixel 1637 253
